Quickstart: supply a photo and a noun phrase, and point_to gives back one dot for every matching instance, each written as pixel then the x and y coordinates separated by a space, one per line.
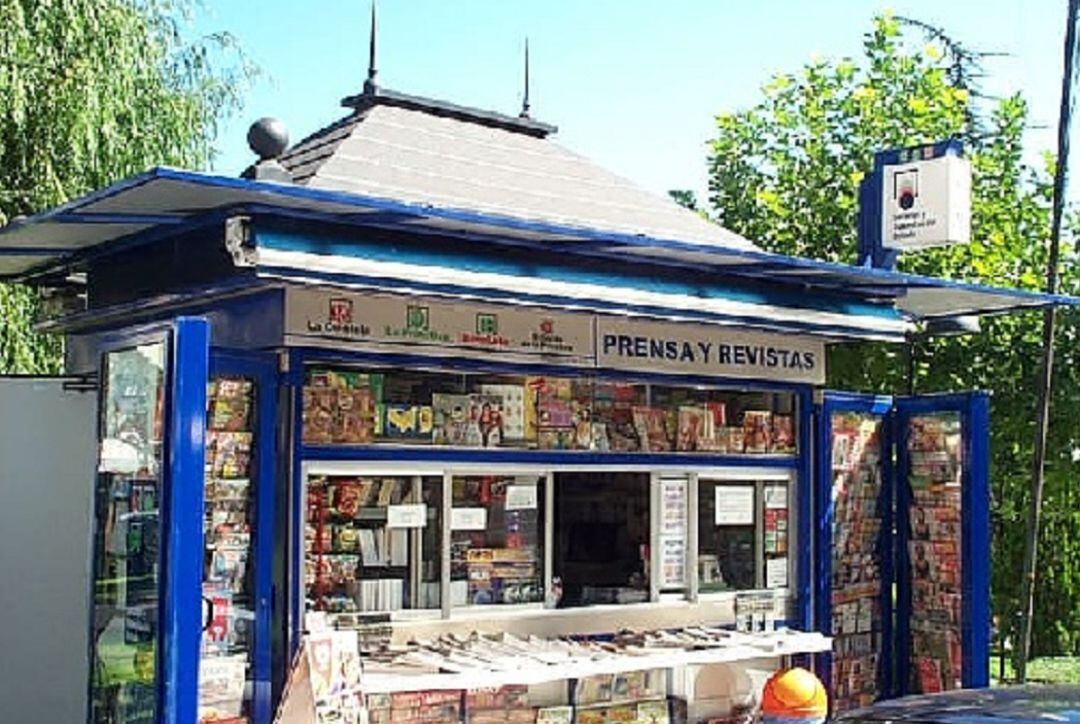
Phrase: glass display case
pixel 497 540
pixel 367 543
pixel 743 534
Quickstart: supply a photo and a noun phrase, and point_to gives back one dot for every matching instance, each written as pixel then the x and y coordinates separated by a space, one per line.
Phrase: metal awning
pixel 125 212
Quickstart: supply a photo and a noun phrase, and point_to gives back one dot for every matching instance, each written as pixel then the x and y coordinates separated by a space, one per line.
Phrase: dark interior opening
pixel 602 537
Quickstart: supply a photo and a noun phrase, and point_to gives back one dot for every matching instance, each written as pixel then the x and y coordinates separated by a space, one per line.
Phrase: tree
pixel 96 90
pixel 785 173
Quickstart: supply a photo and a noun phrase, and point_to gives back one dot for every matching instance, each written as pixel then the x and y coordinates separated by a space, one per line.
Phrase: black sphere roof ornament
pixel 370 86
pixel 268 138
pixel 525 99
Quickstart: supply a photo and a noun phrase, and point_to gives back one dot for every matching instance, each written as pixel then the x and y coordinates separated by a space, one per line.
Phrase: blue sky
pixel 632 84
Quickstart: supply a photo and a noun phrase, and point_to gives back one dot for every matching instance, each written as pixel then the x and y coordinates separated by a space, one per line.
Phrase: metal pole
pixel 1031 544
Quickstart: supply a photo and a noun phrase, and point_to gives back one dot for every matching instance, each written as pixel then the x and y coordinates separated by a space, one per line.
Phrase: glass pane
pixel 935 454
pixel 602 537
pixel 126 552
pixel 225 686
pixel 364 540
pixel 497 540
pixel 856 559
pixel 727 514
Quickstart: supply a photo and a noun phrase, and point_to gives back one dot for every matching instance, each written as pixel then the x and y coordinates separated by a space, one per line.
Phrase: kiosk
pixel 445 378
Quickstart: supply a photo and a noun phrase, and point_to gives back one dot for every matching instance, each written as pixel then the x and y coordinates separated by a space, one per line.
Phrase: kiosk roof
pixel 124 214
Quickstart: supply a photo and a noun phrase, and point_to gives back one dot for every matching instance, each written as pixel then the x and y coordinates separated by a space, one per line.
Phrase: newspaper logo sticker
pixel 340 311
pixel 906 188
pixel 417 318
pixel 487 323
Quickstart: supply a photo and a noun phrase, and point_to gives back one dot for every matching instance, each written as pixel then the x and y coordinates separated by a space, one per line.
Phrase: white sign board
pixel 926 203
pixel 708 350
pixel 776 573
pixel 418 324
pixel 734 505
pixel 468 518
pixel 412 515
pixel 521 497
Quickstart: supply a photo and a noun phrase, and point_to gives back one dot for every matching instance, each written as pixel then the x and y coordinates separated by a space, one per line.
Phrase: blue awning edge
pixel 170 198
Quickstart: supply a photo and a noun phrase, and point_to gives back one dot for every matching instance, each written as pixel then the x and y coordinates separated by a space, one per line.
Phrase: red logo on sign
pixel 547 326
pixel 341 311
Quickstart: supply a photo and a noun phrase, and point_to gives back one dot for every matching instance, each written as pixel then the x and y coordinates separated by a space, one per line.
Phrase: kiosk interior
pixel 503 436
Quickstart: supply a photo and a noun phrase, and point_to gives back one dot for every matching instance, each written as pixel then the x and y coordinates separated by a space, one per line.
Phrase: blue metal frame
pixel 880 405
pixel 804 616
pixel 262 370
pixel 182 511
pixel 974 411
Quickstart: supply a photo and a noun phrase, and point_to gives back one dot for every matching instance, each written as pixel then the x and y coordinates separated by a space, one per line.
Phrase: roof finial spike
pixel 525 100
pixel 370 86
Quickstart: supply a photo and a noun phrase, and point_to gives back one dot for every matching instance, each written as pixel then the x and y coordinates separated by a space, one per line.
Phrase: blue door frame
pixel 974 411
pixel 182 552
pixel 262 369
pixel 880 405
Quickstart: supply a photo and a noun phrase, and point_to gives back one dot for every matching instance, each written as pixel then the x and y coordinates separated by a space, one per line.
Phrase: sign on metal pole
pixel 915 198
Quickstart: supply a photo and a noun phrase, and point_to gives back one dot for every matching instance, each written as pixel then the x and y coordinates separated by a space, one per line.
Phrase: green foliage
pixel 785 173
pixel 93 91
pixel 685 198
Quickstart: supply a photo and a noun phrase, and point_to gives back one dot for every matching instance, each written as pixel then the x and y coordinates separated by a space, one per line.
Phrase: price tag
pixel 413 515
pixel 734 505
pixel 776 496
pixel 468 518
pixel 521 497
pixel 776 573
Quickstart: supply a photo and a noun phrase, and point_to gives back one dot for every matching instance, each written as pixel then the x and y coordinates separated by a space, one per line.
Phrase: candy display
pixel 501 560
pixel 934 451
pixel 227 637
pixel 548 413
pixel 856 559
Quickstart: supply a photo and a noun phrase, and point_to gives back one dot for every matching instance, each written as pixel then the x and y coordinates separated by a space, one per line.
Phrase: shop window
pixel 496 540
pixel 602 537
pixel 743 535
pixel 581 413
pixel 369 543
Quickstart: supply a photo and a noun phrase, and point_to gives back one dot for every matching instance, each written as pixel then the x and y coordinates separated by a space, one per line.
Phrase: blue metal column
pixel 804 564
pixel 182 547
pixel 975 535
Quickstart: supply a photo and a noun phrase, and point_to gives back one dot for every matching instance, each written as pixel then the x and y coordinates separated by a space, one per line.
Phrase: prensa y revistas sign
pixel 712 351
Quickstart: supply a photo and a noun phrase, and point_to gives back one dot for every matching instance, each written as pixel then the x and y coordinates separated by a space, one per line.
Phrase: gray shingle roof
pixel 416 154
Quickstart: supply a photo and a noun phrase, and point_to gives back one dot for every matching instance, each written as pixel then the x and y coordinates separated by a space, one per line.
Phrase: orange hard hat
pixel 794 692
